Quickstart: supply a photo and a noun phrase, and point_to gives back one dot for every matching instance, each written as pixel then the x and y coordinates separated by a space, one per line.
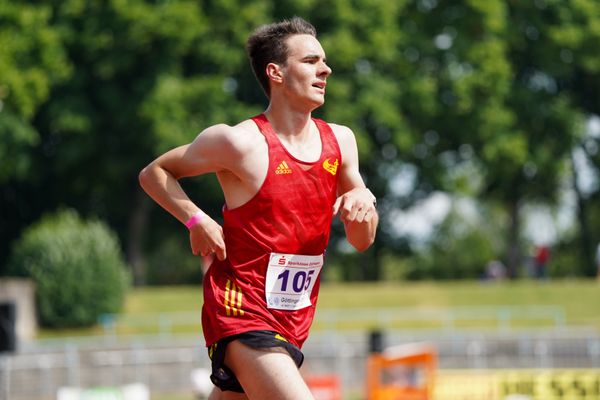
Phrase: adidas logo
pixel 283 169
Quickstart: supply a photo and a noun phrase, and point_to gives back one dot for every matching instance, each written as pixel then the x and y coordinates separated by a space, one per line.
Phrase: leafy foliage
pixel 77 268
pixel 461 248
pixel 32 60
pixel 482 99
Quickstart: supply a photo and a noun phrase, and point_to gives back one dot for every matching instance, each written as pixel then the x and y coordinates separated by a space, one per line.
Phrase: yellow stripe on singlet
pixel 227 288
pixel 233 299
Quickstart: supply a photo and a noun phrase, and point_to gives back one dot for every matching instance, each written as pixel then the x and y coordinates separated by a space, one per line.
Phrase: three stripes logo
pixel 233 299
pixel 283 168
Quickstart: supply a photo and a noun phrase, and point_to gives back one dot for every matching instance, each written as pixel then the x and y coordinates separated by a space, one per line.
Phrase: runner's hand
pixel 356 205
pixel 206 237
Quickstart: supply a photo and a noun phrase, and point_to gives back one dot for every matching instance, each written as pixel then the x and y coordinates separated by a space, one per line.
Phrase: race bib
pixel 290 280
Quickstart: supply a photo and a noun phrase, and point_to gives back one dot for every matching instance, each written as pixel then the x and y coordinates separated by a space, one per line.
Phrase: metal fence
pixel 488 317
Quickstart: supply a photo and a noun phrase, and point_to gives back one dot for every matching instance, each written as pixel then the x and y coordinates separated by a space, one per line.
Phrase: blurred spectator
pixel 495 271
pixel 542 255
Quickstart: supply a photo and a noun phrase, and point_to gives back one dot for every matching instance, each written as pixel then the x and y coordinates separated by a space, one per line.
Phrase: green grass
pixel 578 299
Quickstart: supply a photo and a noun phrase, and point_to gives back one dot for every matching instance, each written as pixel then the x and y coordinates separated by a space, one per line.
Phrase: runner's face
pixel 306 71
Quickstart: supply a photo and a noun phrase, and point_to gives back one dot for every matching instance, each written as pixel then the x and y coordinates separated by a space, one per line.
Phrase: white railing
pixel 467 317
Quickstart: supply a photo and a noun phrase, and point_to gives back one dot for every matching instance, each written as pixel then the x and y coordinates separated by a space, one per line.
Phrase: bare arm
pixel 207 153
pixel 356 203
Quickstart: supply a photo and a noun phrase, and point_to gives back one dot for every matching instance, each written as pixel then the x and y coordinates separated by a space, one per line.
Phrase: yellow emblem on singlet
pixel 329 167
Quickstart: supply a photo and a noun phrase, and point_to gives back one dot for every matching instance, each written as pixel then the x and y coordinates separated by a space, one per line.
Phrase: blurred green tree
pixel 484 99
pixel 574 63
pixel 468 96
pixel 460 248
pixel 32 60
pixel 423 85
pixel 77 268
pixel 145 77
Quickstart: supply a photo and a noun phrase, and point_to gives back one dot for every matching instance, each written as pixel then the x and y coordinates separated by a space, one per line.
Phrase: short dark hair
pixel 267 44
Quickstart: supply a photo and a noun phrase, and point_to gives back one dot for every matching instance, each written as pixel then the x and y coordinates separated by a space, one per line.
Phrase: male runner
pixel 284 176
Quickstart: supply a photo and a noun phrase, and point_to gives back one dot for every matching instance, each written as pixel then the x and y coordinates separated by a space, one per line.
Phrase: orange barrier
pixel 402 373
pixel 325 387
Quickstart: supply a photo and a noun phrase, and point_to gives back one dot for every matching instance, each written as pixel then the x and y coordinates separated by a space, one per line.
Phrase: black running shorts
pixel 223 377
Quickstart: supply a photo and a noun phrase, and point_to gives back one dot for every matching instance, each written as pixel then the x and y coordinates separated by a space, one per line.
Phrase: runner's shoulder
pixel 341 132
pixel 238 138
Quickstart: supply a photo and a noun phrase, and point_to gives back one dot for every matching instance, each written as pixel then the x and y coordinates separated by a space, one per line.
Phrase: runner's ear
pixel 274 73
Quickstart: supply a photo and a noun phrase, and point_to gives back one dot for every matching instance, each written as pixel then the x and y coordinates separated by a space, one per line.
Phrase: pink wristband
pixel 194 219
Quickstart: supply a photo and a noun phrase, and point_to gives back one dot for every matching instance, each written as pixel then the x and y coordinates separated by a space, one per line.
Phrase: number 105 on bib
pixel 290 280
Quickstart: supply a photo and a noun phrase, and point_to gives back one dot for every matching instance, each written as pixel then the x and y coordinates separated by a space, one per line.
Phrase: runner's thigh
pixel 218 394
pixel 266 373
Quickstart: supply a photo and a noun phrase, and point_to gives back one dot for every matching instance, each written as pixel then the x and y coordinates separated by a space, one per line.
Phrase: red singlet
pixel 291 215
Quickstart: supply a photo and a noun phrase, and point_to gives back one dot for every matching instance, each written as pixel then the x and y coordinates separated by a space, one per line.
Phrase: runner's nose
pixel 325 69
